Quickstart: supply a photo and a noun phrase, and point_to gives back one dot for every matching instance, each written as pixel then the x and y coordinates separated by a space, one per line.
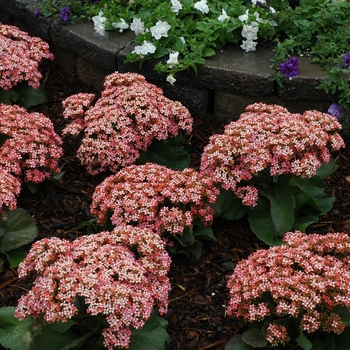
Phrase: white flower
pixel 244 18
pixel 183 40
pixel 120 25
pixel 250 31
pixel 173 59
pixel 137 26
pixel 176 6
pixel 170 79
pixel 248 45
pixel 99 23
pixel 223 16
pixel 160 29
pixel 202 6
pixel 145 48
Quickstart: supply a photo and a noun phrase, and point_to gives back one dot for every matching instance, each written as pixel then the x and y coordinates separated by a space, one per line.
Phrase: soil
pixel 196 315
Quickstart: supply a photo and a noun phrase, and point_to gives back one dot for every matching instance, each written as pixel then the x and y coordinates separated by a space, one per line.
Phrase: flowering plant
pixel 297 294
pixel 174 204
pixel 29 148
pixel 130 114
pixel 19 75
pixel 271 164
pixel 107 283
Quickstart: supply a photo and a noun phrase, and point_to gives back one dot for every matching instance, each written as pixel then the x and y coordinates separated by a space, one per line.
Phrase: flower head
pixel 305 278
pixel 160 30
pixel 269 137
pixel 120 25
pixel 336 110
pixel 223 16
pixel 145 48
pixel 290 68
pixel 202 6
pixel 64 14
pixel 116 283
pixel 170 79
pixel 173 59
pixel 346 60
pixel 176 6
pixel 124 121
pixel 155 197
pixel 137 26
pixel 20 57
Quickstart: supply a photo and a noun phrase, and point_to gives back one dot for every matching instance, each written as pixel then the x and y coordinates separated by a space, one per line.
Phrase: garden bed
pixel 198 296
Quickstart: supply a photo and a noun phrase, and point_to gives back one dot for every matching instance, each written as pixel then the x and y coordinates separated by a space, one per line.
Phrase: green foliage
pixel 81 333
pixel 287 203
pixel 16 230
pixel 23 95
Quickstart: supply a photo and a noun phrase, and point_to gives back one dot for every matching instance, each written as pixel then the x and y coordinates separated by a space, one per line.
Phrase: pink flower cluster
pixel 114 281
pixel 128 116
pixel 269 137
pixel 155 197
pixel 306 278
pixel 29 146
pixel 20 57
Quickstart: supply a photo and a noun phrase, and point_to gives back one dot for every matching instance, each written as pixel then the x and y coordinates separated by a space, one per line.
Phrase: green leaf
pixel 327 169
pixel 303 222
pixel 254 337
pixel 342 340
pixel 327 343
pixel 227 206
pixel 60 326
pixel 8 96
pixel 28 96
pixel 160 152
pixel 153 332
pixel 48 339
pixel 16 256
pixel 208 52
pixel 1 265
pixel 205 234
pixel 236 343
pixel 20 230
pixel 303 342
pixel 265 230
pixel 282 208
pixel 15 334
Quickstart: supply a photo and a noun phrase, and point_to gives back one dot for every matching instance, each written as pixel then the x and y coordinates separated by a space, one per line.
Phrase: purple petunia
pixel 37 12
pixel 64 14
pixel 290 68
pixel 336 110
pixel 346 59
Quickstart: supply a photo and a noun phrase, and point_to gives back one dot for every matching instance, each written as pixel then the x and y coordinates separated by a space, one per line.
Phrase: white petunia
pixel 137 26
pixel 99 23
pixel 173 59
pixel 202 6
pixel 170 79
pixel 176 6
pixel 120 25
pixel 223 16
pixel 145 48
pixel 160 30
pixel 244 18
pixel 248 45
pixel 250 31
pixel 183 40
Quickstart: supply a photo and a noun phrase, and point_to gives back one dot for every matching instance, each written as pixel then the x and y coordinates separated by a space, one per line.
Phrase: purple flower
pixel 37 12
pixel 336 110
pixel 94 1
pixel 64 14
pixel 290 68
pixel 346 59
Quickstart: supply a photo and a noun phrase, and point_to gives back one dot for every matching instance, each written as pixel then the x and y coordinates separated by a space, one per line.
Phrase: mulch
pixel 196 315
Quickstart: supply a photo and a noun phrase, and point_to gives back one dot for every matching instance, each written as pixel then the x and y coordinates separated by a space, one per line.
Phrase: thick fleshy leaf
pixel 265 230
pixel 205 234
pixel 227 206
pixel 303 342
pixel 28 96
pixel 152 335
pixel 236 343
pixel 20 230
pixel 15 334
pixel 254 337
pixel 16 256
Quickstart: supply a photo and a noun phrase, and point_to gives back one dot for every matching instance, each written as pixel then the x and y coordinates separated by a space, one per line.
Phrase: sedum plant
pixel 294 296
pixel 20 75
pixel 271 165
pixel 174 204
pixel 124 122
pixel 29 151
pixel 98 289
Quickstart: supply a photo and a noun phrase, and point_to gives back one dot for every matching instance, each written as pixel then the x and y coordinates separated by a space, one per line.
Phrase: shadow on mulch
pixel 198 297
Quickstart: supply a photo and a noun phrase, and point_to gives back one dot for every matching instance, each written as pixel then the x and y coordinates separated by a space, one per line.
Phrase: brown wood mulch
pixel 196 315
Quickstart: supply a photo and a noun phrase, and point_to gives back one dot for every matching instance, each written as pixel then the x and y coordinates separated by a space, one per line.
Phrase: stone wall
pixel 222 88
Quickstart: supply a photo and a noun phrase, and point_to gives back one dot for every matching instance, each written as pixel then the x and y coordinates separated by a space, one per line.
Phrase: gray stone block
pixel 40 26
pixel 16 8
pixel 81 39
pixel 6 17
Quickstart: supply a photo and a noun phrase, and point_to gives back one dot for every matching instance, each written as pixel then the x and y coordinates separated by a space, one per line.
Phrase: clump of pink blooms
pixel 306 278
pixel 155 197
pixel 128 116
pixel 118 282
pixel 20 57
pixel 29 147
pixel 269 137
